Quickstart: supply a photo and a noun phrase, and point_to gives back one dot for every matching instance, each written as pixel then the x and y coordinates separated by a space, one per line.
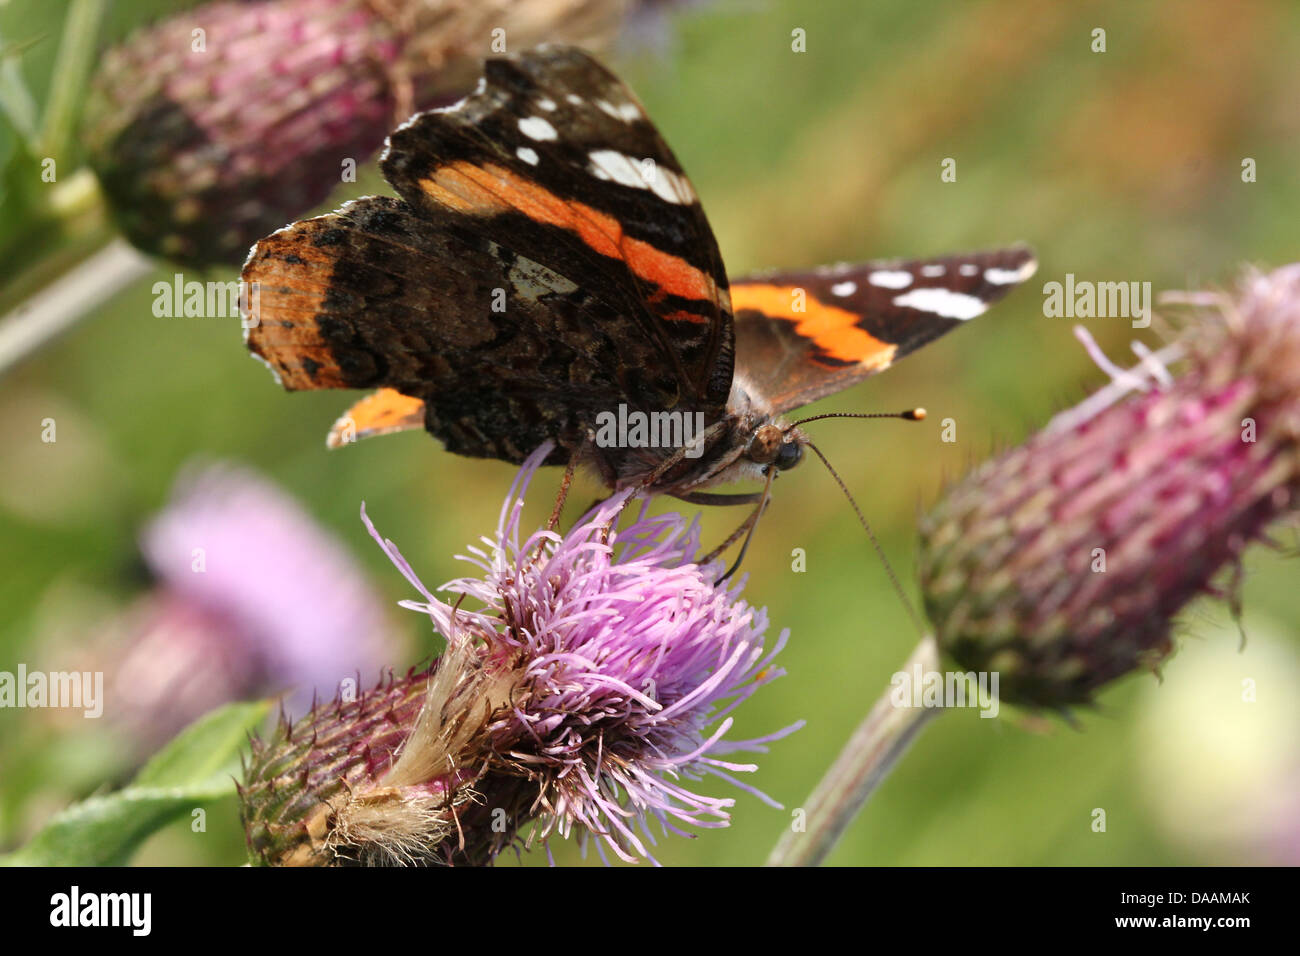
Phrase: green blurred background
pixel 1123 165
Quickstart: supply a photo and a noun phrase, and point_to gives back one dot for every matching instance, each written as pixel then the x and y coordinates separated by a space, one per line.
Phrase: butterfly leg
pixel 746 528
pixel 563 494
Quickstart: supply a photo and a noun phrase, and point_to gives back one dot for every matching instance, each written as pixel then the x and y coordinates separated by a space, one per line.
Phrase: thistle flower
pixel 592 683
pixel 1062 563
pixel 252 597
pixel 218 125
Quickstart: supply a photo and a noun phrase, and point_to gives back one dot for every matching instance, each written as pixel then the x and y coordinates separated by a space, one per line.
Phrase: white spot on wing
pixel 611 164
pixel 1010 276
pixel 844 288
pixel 933 272
pixel 890 278
pixel 944 302
pixel 529 156
pixel 574 99
pixel 627 112
pixel 547 104
pixel 671 187
pixel 667 184
pixel 968 269
pixel 534 127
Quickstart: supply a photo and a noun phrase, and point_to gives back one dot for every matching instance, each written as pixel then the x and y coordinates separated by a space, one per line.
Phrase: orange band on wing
pixel 488 190
pixel 832 330
pixel 282 328
pixel 379 413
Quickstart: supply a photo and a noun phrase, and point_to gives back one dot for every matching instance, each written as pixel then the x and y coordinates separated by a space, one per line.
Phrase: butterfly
pixel 547 265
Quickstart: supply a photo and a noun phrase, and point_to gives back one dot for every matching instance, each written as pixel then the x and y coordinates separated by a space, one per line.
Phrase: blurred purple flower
pixel 253 597
pixel 602 668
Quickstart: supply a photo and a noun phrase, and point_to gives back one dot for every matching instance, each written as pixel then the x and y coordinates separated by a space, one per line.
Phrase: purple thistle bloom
pixel 627 654
pixel 602 669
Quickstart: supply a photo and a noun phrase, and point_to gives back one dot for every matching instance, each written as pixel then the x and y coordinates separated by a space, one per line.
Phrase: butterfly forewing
pixel 554 159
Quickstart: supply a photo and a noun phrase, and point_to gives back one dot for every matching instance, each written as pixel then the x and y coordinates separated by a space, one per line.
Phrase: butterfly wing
pixel 524 281
pixel 803 336
pixel 384 412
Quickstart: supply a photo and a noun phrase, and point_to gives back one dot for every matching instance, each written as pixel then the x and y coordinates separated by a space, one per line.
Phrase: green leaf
pixel 205 750
pixel 17 107
pixel 199 766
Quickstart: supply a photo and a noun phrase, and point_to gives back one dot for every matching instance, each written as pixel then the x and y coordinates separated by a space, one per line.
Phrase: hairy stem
pixel 865 761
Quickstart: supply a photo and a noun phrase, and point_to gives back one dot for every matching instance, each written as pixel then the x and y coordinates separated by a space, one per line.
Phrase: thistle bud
pixel 217 126
pixel 387 779
pixel 1062 563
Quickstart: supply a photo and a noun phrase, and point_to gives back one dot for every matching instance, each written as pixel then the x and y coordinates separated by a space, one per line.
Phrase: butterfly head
pixel 772 445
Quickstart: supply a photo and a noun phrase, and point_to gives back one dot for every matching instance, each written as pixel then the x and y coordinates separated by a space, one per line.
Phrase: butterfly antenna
pixel 748 527
pixel 922 630
pixel 911 415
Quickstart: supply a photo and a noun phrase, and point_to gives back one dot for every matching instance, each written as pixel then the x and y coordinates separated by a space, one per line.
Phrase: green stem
pixel 77 294
pixel 72 68
pixel 866 759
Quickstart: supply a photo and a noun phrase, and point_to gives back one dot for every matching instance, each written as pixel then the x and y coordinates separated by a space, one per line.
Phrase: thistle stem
pixel 865 761
pixel 59 306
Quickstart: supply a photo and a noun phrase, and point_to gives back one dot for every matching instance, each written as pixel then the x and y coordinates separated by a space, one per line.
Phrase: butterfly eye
pixel 788 455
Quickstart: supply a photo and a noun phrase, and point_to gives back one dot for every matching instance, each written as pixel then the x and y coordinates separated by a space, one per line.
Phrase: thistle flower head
pixel 1062 563
pixel 591 684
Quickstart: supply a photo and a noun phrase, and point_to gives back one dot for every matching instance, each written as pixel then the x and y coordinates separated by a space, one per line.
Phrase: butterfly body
pixel 740 446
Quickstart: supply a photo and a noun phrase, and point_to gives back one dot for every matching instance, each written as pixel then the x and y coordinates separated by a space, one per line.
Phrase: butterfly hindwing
pixel 802 336
pixel 379 413
pixel 371 296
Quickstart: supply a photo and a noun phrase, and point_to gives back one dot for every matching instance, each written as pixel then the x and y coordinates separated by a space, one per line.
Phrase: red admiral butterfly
pixel 548 261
